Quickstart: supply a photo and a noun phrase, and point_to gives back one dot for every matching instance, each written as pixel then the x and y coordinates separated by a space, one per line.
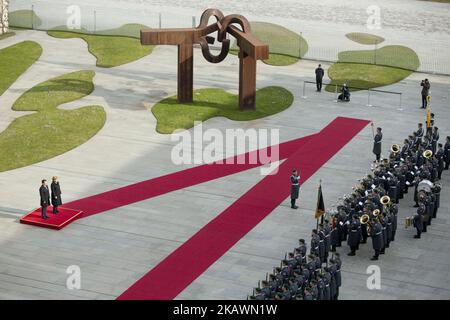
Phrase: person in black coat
pixel 440 158
pixel 447 153
pixel 354 235
pixel 376 234
pixel 295 188
pixel 377 144
pixel 56 194
pixel 319 76
pixel 45 198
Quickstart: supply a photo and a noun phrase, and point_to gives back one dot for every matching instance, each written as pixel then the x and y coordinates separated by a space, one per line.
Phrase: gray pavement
pixel 116 248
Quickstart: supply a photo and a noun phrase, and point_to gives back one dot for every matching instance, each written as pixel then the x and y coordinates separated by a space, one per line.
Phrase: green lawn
pixel 209 103
pixel 24 19
pixel 15 60
pixel 392 56
pixel 7 35
pixel 364 38
pixel 286 47
pixel 110 51
pixel 364 76
pixel 358 68
pixel 50 131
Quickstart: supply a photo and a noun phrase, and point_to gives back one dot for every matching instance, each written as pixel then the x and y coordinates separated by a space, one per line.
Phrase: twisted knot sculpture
pixel 251 49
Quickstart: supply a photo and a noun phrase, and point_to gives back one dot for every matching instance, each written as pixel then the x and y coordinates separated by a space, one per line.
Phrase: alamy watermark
pixel 374 279
pixel 209 146
pixel 73 281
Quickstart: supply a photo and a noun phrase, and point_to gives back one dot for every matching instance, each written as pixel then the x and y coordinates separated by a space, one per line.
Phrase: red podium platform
pixel 54 221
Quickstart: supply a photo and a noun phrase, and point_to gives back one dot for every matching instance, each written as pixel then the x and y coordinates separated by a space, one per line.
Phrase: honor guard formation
pixel 369 211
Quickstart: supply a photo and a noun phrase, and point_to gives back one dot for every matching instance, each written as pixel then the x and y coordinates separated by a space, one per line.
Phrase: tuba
pixel 376 212
pixel 385 200
pixel 365 219
pixel 395 148
pixel 427 154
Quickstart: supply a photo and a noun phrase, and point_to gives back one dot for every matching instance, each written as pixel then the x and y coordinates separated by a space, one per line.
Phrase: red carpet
pixel 54 221
pixel 171 182
pixel 195 256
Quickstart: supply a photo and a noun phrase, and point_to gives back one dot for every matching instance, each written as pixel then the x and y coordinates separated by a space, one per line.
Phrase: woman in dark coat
pixel 56 194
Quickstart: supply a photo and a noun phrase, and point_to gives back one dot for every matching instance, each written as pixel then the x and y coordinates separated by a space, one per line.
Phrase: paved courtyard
pixel 116 248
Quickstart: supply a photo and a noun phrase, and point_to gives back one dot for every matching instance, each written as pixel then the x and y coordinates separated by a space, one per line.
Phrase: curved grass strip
pixel 286 47
pixel 363 76
pixel 209 103
pixel 391 56
pixel 365 38
pixel 26 19
pixel 50 131
pixel 15 60
pixel 366 69
pixel 110 50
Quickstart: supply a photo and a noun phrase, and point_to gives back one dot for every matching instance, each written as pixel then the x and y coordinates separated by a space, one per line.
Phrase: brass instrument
pixel 408 222
pixel 395 148
pixel 365 219
pixel 376 212
pixel 385 200
pixel 427 154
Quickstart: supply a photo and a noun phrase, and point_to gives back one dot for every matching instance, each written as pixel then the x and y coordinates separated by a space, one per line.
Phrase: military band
pixel 370 211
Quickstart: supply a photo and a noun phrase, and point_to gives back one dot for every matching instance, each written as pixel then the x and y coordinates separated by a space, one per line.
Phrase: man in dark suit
pixel 377 144
pixel 319 76
pixel 45 198
pixel 56 194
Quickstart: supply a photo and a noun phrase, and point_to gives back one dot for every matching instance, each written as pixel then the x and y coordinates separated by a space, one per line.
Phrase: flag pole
pixel 317 219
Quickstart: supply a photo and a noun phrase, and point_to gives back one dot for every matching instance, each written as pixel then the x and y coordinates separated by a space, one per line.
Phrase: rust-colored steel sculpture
pixel 251 49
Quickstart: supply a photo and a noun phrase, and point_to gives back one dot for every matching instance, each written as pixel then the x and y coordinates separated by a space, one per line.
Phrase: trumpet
pixel 427 154
pixel 395 148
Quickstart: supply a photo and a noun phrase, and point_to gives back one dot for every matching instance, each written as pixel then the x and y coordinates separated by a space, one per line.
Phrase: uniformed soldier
pixel 394 215
pixel 321 234
pixel 377 238
pixel 302 249
pixel 434 139
pixel 418 221
pixel 315 243
pixel 447 153
pixel 377 144
pixel 419 134
pixel 354 235
pixel 327 231
pixel 295 188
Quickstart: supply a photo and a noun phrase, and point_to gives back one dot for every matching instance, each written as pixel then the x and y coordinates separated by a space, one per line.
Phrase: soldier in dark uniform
pixel 321 234
pixel 327 242
pixel 337 260
pixel 354 235
pixel 302 249
pixel 434 139
pixel 376 234
pixel 377 144
pixel 419 134
pixel 394 215
pixel 319 76
pixel 315 240
pixel 295 188
pixel 56 194
pixel 334 235
pixel 45 198
pixel 447 153
pixel 440 159
pixel 418 221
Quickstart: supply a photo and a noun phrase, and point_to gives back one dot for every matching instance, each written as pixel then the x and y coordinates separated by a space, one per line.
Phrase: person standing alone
pixel 377 144
pixel 425 84
pixel 295 188
pixel 45 198
pixel 56 194
pixel 319 76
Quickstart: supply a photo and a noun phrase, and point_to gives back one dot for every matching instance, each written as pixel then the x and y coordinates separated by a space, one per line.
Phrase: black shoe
pixel 387 246
pixel 294 207
pixel 45 218
pixel 351 254
pixel 416 237
pixel 364 242
pixel 416 206
pixel 382 252
pixel 374 258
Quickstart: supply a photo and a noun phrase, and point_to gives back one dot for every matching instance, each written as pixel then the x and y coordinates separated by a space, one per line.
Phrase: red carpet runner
pixel 195 256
